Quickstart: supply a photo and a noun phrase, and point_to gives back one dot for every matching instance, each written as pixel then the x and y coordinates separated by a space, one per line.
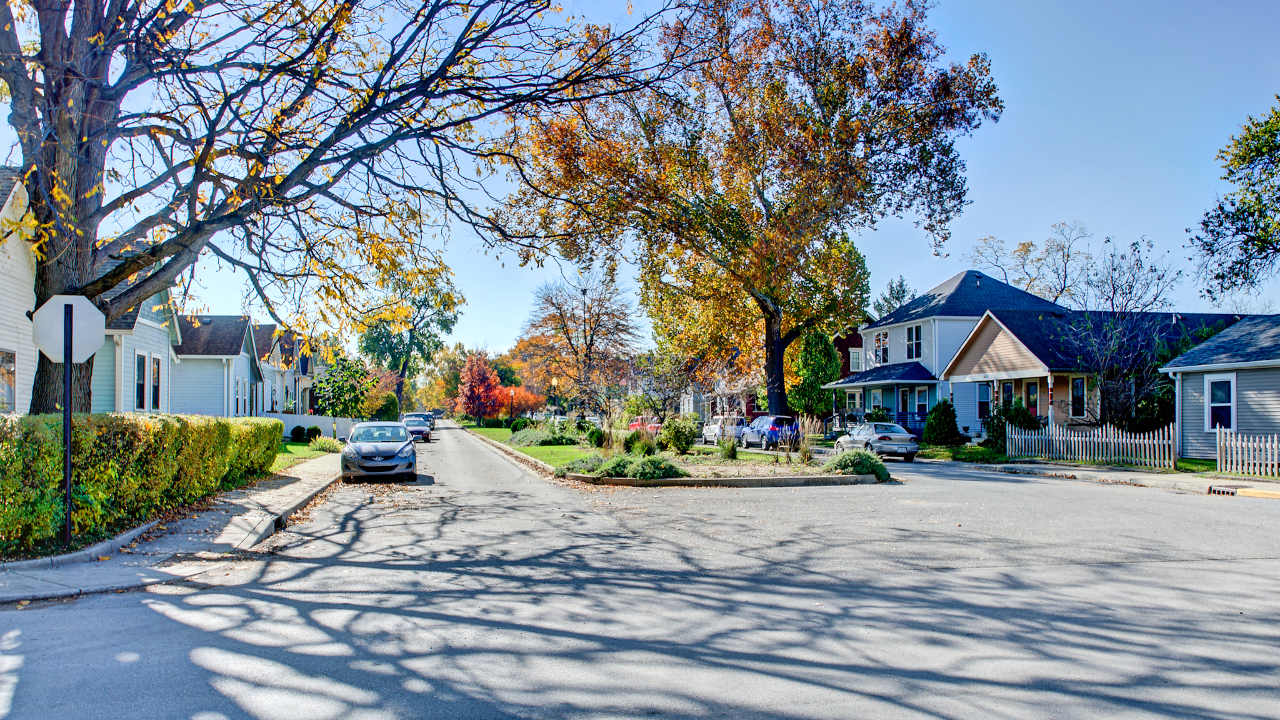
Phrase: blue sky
pixel 1114 112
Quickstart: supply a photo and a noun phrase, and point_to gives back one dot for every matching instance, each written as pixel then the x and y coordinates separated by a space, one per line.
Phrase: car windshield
pixel 889 428
pixel 414 421
pixel 379 433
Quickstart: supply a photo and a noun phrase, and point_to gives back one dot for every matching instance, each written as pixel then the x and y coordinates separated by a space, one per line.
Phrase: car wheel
pixel 909 457
pixel 869 449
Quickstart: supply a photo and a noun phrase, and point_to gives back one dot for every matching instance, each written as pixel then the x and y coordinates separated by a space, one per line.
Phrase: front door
pixel 905 401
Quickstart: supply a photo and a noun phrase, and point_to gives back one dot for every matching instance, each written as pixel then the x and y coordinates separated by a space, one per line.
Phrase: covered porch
pixel 906 391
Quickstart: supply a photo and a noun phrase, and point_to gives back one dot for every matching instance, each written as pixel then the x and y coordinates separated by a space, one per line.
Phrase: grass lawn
pixel 555 455
pixel 292 453
pixel 961 453
pixel 1196 465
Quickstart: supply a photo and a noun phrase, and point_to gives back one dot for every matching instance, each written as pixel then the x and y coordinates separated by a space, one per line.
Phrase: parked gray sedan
pixel 722 426
pixel 379 449
pixel 881 439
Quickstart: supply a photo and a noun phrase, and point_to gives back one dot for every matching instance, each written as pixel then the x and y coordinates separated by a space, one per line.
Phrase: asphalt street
pixel 482 591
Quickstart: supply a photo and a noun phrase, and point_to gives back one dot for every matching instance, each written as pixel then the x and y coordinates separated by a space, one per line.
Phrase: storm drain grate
pixel 1227 489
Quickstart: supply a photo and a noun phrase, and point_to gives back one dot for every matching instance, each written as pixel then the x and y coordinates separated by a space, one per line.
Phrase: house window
pixel 1006 393
pixel 1220 402
pixel 913 343
pixel 877 399
pixel 140 382
pixel 882 348
pixel 984 401
pixel 8 381
pixel 1033 397
pixel 855 360
pixel 1077 397
pixel 853 400
pixel 155 383
pixel 922 400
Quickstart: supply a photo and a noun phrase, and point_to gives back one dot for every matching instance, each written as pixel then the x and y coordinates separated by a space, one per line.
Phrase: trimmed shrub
pixel 534 437
pixel 326 444
pixel 1013 413
pixel 314 432
pixel 857 462
pixel 678 433
pixel 595 437
pixel 940 427
pixel 876 415
pixel 298 434
pixel 655 468
pixel 389 410
pixel 639 442
pixel 582 466
pixel 126 468
pixel 519 424
pixel 616 466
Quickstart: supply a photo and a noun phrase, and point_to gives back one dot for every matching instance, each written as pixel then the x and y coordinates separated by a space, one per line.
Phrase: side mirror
pixel 342 439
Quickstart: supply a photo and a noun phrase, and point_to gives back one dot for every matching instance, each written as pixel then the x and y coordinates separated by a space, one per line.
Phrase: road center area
pixel 483 591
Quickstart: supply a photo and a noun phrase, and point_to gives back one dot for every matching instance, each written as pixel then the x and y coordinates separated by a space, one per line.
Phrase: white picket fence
pixel 1248 454
pixel 330 426
pixel 1102 444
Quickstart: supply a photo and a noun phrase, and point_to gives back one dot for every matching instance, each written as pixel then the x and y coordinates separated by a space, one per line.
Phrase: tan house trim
pixel 992 353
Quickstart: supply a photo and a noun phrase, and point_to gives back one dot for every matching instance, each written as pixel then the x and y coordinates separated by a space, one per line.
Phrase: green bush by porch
pixel 126 468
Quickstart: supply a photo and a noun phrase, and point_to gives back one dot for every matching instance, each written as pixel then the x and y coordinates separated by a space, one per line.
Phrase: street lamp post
pixel 511 409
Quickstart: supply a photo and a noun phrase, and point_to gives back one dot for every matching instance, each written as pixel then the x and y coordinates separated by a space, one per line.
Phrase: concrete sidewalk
pixel 237 521
pixel 1170 481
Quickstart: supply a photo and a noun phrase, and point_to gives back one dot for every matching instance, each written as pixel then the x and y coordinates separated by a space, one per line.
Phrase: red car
pixel 648 423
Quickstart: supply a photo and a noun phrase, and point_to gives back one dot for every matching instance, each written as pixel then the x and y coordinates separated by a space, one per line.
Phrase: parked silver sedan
pixel 881 439
pixel 722 426
pixel 379 449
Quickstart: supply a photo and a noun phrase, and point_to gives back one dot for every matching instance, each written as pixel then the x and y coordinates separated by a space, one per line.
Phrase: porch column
pixel 1049 382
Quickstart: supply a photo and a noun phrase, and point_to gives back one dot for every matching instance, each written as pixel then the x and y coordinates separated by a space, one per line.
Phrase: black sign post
pixel 67 311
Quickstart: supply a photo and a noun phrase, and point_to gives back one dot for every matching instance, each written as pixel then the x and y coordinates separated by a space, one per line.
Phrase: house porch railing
pixel 1257 455
pixel 1102 444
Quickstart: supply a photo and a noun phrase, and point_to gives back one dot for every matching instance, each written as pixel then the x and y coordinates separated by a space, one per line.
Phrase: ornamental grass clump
pixel 727 449
pixel 534 437
pixel 325 444
pixel 857 462
pixel 582 466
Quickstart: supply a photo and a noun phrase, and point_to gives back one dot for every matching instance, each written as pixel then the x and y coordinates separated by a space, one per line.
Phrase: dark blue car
pixel 770 431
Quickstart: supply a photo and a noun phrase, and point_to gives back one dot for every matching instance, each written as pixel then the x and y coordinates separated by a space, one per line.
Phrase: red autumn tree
pixel 478 391
pixel 518 400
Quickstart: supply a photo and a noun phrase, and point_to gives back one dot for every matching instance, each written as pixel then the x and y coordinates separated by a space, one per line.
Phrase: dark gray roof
pixel 969 294
pixel 9 177
pixel 1254 339
pixel 1058 339
pixel 212 334
pixel 886 374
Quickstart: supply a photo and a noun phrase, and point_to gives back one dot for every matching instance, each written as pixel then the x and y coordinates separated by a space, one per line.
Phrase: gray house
pixel 217 367
pixel 1232 381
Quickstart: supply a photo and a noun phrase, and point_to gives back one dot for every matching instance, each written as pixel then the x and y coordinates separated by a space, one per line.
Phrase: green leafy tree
pixel 341 390
pixel 404 337
pixel 940 427
pixel 818 364
pixel 508 375
pixel 1239 240
pixel 896 294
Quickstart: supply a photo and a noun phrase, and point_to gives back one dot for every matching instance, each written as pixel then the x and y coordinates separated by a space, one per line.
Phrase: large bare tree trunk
pixel 46 394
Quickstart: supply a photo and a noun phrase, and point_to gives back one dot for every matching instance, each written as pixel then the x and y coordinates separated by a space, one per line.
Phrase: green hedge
pixel 126 468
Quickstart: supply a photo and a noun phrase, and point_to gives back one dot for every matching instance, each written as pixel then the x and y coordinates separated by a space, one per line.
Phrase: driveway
pixel 481 591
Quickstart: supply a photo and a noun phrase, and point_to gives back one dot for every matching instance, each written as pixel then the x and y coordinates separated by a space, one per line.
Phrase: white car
pixel 722 426
pixel 881 438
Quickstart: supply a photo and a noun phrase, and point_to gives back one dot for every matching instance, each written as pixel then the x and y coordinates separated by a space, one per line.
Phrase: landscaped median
pixel 126 469
pixel 569 454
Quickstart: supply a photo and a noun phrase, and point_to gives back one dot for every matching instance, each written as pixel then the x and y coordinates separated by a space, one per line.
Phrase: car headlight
pixel 350 452
pixel 406 451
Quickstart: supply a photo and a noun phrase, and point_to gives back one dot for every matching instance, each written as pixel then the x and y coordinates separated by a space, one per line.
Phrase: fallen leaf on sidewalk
pixel 103 557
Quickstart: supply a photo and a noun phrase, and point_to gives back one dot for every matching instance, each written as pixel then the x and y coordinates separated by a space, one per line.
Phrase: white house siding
pixel 951 335
pixel 17 297
pixel 155 342
pixel 1257 409
pixel 103 385
pixel 241 372
pixel 198 387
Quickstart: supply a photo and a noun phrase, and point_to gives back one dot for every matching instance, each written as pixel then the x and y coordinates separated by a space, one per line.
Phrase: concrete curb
pixel 89 554
pixel 516 455
pixel 261 525
pixel 1196 485
pixel 742 482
